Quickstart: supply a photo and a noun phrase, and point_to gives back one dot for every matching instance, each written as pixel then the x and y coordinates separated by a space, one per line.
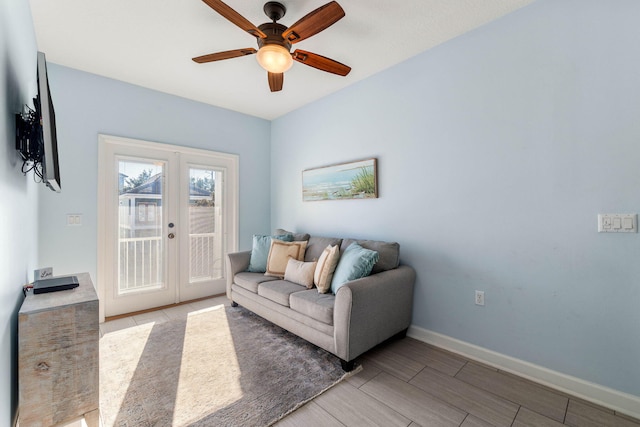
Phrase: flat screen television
pixel 44 109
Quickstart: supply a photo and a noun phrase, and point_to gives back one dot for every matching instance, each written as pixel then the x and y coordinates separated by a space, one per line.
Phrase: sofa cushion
pixel 260 251
pixel 315 305
pixel 284 316
pixel 297 237
pixel 389 253
pixel 279 291
pixel 250 281
pixel 316 245
pixel 356 262
pixel 279 255
pixel 325 268
pixel 300 272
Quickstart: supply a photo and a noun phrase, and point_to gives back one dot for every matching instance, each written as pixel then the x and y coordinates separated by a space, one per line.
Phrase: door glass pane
pixel 140 246
pixel 205 230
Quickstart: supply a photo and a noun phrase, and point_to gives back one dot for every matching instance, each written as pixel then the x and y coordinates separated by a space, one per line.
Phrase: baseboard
pixel 618 401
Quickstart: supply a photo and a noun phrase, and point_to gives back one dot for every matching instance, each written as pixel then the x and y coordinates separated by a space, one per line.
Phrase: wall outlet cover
pixel 479 297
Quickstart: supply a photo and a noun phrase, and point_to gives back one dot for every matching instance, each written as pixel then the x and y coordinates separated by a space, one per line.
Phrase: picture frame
pixel 351 180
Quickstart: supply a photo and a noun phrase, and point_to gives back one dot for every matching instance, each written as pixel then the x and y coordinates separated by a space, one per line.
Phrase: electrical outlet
pixel 479 297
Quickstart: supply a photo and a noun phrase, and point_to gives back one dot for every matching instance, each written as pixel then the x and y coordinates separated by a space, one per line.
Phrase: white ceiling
pixel 150 43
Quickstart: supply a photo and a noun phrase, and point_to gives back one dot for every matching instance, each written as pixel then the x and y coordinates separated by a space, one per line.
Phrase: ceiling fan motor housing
pixel 274 32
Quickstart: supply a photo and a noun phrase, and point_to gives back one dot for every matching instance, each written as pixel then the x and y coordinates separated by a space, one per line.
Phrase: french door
pixel 167 217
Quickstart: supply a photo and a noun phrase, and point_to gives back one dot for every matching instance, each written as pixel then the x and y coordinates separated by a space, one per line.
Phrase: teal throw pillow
pixel 355 262
pixel 260 251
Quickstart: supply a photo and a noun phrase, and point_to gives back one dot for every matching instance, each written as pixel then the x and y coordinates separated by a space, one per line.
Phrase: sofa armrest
pixel 370 310
pixel 236 262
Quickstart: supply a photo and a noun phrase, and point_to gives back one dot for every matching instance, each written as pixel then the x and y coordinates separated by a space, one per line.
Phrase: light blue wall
pixel 18 195
pixel 496 152
pixel 86 105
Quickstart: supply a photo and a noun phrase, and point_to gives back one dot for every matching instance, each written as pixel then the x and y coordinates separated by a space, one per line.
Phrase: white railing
pixel 204 257
pixel 140 261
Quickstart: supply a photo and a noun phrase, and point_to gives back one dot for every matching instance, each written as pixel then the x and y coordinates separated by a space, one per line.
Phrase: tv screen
pixel 44 107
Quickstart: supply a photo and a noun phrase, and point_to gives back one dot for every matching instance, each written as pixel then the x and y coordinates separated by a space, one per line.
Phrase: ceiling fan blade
pixel 224 55
pixel 275 81
pixel 314 22
pixel 233 16
pixel 320 62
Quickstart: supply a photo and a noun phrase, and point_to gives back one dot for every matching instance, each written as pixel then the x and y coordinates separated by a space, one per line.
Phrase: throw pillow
pixel 325 268
pixel 355 262
pixel 300 272
pixel 297 237
pixel 279 256
pixel 260 251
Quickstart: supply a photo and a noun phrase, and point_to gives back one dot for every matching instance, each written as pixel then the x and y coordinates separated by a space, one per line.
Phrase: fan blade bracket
pixel 299 56
pixel 321 62
pixel 257 34
pixel 292 37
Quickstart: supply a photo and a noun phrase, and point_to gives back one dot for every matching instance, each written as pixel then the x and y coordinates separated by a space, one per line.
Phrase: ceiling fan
pixel 275 40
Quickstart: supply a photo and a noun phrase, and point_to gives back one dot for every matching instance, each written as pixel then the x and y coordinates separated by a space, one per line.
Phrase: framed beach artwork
pixel 354 180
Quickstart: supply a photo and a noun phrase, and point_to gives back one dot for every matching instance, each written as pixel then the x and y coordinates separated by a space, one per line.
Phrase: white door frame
pixel 230 205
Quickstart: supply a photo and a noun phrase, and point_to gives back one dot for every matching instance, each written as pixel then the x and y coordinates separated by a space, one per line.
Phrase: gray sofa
pixel 363 313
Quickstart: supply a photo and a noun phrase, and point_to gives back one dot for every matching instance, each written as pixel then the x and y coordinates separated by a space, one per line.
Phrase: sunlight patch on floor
pixel 126 370
pixel 207 368
pixel 206 309
pixel 77 423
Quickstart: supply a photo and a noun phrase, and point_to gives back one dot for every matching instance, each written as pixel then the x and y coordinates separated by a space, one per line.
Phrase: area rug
pixel 221 366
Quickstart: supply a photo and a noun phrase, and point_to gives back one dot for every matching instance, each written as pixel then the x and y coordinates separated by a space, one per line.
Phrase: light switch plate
pixel 617 223
pixel 74 219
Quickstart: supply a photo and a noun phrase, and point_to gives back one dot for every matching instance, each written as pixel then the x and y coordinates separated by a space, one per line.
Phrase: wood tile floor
pixel 410 383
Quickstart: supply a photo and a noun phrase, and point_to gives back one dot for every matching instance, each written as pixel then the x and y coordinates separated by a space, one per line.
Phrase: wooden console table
pixel 58 339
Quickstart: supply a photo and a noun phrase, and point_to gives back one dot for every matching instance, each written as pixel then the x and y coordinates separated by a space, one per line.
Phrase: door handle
pixel 171 235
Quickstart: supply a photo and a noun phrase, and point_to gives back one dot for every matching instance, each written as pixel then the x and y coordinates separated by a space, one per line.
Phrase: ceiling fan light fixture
pixel 275 40
pixel 274 58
